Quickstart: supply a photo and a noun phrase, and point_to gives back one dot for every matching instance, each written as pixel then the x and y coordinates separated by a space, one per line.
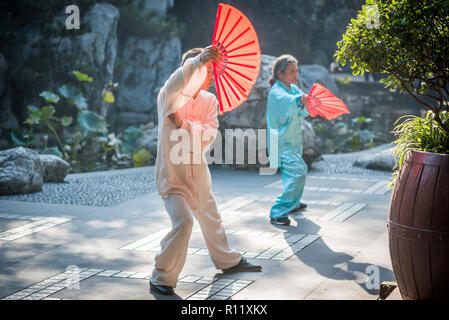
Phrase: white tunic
pixel 189 178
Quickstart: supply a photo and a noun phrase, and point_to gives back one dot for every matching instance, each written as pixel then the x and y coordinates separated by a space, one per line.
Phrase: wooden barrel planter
pixel 418 226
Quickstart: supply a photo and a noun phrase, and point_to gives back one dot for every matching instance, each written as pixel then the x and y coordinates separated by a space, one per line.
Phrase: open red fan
pixel 236 74
pixel 322 102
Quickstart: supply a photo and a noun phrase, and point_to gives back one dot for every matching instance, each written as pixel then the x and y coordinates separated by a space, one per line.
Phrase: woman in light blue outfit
pixel 285 108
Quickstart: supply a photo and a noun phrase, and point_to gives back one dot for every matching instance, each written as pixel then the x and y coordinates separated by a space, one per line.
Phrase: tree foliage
pixel 411 44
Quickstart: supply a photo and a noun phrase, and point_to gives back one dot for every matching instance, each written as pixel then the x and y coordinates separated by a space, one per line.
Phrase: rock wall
pixel 307 29
pixel 97 50
pixel 32 66
pixel 372 100
pixel 8 120
pixel 41 64
pixel 149 64
pixel 160 6
pixel 252 113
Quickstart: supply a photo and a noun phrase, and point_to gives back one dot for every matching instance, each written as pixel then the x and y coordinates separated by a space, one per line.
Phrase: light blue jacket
pixel 284 113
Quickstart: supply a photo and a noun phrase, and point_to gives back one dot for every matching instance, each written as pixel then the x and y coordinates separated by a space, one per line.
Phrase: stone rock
pixel 20 171
pixel 3 69
pixel 133 118
pixel 92 52
pixel 313 73
pixel 7 119
pixel 251 114
pixel 149 64
pixel 382 160
pixel 308 29
pixel 311 144
pixel 159 6
pixel 96 49
pixel 4 144
pixel 54 169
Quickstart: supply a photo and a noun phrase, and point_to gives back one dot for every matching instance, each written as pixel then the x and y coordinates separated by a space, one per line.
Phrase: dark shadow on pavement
pixel 354 270
pixel 162 297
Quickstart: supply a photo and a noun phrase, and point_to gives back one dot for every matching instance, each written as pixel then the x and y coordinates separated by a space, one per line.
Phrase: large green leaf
pixel 32 108
pixel 54 151
pixel 142 156
pixel 82 76
pixel 34 116
pixel 49 96
pixel 102 139
pixel 108 97
pixel 46 113
pixel 19 139
pixel 129 139
pixel 90 123
pixel 73 95
pixel 41 115
pixel 66 121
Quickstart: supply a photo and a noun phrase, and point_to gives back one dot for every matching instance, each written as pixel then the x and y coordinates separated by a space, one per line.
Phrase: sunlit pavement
pixel 95 237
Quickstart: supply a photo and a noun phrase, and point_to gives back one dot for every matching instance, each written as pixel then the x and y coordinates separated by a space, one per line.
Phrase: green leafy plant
pixel 410 46
pixel 124 147
pixel 342 135
pixel 141 157
pixel 90 131
pixel 423 134
pixel 22 138
pixel 74 135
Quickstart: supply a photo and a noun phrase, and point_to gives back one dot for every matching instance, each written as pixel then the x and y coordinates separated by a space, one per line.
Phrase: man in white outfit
pixel 186 109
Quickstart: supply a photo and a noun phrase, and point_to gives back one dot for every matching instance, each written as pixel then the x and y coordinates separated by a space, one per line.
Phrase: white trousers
pixel 170 260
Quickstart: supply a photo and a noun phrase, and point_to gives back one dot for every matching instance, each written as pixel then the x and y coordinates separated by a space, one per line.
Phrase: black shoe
pixel 284 221
pixel 164 290
pixel 243 266
pixel 302 206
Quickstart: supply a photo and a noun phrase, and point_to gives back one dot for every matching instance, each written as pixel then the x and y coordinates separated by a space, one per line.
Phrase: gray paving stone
pixel 140 275
pixel 108 273
pixel 297 276
pixel 124 274
pixel 190 278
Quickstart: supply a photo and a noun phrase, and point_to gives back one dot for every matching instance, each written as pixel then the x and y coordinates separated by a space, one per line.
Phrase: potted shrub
pixel 409 41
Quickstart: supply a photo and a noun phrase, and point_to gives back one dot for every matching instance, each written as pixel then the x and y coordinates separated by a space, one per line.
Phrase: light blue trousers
pixel 294 171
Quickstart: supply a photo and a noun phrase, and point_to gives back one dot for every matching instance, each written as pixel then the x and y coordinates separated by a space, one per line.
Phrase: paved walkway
pixel 95 237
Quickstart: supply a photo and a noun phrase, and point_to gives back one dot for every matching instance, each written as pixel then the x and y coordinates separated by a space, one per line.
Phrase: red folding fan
pixel 324 103
pixel 236 74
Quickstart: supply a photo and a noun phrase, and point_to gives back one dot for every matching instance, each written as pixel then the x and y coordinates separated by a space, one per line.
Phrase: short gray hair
pixel 279 66
pixel 190 54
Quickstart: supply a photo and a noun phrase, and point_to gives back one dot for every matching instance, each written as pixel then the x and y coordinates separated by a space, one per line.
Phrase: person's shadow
pixel 162 297
pixel 337 265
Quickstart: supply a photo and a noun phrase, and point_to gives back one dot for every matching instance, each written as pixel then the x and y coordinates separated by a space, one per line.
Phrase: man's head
pixel 190 54
pixel 193 53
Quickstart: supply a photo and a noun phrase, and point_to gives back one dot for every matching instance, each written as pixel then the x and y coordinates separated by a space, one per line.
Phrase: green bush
pixel 84 140
pixel 423 134
pixel 411 46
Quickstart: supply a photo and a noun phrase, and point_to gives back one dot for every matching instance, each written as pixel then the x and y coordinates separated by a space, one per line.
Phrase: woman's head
pixel 285 69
